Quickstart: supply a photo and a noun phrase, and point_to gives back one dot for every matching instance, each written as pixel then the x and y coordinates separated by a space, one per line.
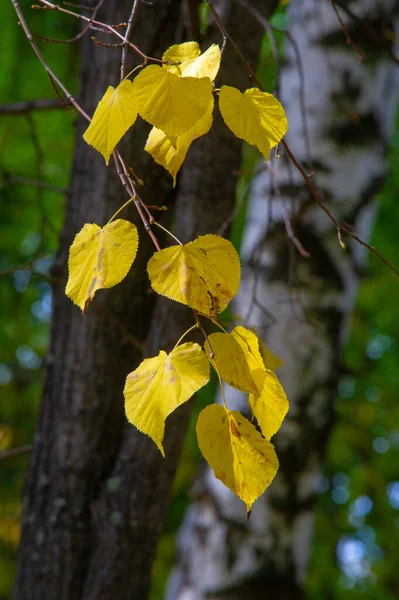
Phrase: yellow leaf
pixel 203 274
pixel 240 364
pixel 192 62
pixel 231 362
pixel 171 103
pixel 271 360
pixel 100 257
pixel 236 451
pixel 171 157
pixel 255 116
pixel 115 114
pixel 160 384
pixel 270 404
pixel 249 344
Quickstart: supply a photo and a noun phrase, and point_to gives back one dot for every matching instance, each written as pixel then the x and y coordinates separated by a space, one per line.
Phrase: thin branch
pixel 58 8
pixel 17 451
pixel 338 225
pixel 287 222
pixel 79 35
pixel 348 38
pixel 34 182
pixel 21 108
pixel 50 73
pixel 127 35
pixel 301 170
pixel 26 267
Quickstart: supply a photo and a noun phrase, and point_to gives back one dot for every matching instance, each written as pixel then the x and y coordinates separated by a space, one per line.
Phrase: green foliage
pixel 358 510
pixel 31 218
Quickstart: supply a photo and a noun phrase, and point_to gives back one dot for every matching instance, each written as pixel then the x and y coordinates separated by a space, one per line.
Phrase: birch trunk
pixel 340 115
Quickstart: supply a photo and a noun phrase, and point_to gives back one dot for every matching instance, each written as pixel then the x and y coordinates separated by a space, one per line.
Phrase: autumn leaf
pixel 271 360
pixel 203 274
pixel 100 257
pixel 255 116
pixel 231 362
pixel 171 156
pixel 171 103
pixel 192 62
pixel 160 384
pixel 270 404
pixel 240 364
pixel 239 456
pixel 115 114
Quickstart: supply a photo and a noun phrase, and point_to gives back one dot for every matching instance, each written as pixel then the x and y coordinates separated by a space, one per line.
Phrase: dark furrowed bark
pixel 97 489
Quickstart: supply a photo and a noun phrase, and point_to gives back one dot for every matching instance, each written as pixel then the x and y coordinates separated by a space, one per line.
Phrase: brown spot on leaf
pixel 234 429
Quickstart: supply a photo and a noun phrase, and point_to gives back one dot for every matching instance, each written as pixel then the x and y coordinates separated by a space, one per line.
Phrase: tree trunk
pixel 97 489
pixel 302 305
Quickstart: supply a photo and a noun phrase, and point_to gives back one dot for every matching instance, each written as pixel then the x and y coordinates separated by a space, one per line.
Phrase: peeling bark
pixel 300 305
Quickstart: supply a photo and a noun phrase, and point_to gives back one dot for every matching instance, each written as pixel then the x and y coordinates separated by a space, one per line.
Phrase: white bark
pixel 349 110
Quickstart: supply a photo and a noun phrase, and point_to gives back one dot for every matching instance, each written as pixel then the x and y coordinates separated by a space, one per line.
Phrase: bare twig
pixel 79 35
pixel 33 182
pixel 21 108
pixel 58 8
pixel 348 38
pixel 127 35
pixel 301 170
pixel 17 451
pixel 50 73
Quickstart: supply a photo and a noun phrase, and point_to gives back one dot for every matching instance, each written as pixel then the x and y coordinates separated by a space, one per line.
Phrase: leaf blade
pixel 160 385
pixel 239 456
pixel 171 156
pixel 100 257
pixel 114 115
pixel 171 103
pixel 255 116
pixel 203 274
pixel 192 62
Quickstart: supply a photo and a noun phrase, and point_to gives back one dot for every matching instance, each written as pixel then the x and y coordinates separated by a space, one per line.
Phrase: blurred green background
pixel 354 553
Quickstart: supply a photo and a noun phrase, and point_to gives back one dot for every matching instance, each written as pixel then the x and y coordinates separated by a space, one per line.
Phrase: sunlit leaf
pixel 115 114
pixel 171 103
pixel 192 62
pixel 269 404
pixel 100 257
pixel 271 360
pixel 231 362
pixel 203 274
pixel 255 116
pixel 160 384
pixel 171 157
pixel 236 451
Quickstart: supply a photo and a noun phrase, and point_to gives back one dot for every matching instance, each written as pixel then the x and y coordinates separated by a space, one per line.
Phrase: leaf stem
pixel 219 325
pixel 199 325
pixel 184 335
pixel 220 383
pixel 153 222
pixel 132 199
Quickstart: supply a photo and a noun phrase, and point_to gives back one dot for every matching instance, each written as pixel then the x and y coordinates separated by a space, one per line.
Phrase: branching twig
pixel 301 170
pixel 127 35
pixel 58 8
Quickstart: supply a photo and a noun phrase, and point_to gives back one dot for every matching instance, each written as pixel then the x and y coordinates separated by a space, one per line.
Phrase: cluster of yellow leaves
pixel 176 99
